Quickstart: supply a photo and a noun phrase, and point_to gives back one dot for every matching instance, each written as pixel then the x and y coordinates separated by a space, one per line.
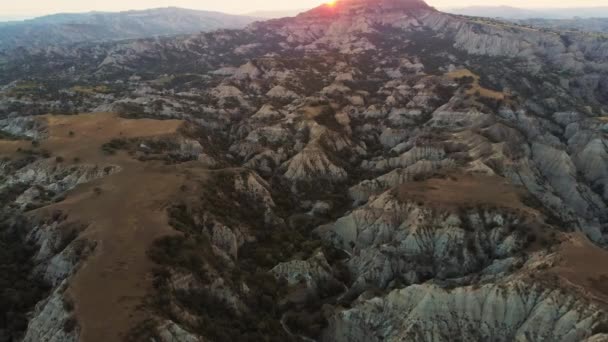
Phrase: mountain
pixel 578 24
pixel 371 170
pixel 508 12
pixel 579 19
pixel 275 14
pixel 66 28
pixel 8 18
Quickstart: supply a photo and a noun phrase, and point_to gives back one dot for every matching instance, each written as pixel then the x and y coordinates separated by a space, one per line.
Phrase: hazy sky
pixel 13 8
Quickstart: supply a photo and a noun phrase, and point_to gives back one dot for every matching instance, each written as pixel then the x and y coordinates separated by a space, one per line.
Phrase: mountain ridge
pixel 509 12
pixel 57 29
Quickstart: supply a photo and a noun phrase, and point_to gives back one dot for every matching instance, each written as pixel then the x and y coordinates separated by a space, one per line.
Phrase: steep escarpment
pixel 506 312
pixel 440 230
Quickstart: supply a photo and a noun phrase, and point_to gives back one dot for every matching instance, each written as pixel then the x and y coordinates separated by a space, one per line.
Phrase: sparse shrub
pixel 114 145
pixel 70 324
pixel 68 303
pixel 465 80
pixel 59 198
pixel 601 327
pixel 531 238
pixel 419 177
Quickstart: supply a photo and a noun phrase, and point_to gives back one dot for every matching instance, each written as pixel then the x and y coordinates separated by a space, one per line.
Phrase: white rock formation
pixel 508 312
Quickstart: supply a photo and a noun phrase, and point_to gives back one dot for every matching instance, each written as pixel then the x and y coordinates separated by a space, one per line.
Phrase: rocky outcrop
pixel 60 253
pixel 407 159
pixel 20 126
pixel 45 178
pixel 59 250
pixel 51 321
pixel 267 112
pixel 171 332
pixel 313 163
pixel 281 92
pixel 391 240
pixel 507 312
pixel 314 273
pixel 420 169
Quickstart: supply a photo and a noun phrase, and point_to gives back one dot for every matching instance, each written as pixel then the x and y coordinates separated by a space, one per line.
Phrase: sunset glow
pixel 331 3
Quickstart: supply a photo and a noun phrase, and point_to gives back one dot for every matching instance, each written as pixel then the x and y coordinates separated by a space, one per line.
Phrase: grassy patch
pixel 475 88
pixel 26 88
pixel 91 90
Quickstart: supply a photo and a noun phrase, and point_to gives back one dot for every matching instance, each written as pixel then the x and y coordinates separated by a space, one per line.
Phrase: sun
pixel 331 3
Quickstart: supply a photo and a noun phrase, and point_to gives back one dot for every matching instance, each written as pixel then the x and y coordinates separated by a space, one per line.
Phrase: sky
pixel 29 8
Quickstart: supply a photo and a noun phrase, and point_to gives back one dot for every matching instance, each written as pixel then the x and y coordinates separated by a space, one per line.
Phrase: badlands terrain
pixel 372 170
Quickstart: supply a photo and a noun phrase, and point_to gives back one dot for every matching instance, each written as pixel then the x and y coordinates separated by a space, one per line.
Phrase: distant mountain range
pixel 593 19
pixel 525 13
pixel 275 14
pixel 5 18
pixel 575 24
pixel 98 26
pixel 67 28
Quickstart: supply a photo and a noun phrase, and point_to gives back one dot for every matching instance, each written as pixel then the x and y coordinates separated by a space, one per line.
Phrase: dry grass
pixel 603 118
pixel 459 190
pixel 83 135
pixel 503 25
pixel 91 90
pixel 8 148
pixel 476 87
pixel 582 264
pixel 311 112
pixel 126 212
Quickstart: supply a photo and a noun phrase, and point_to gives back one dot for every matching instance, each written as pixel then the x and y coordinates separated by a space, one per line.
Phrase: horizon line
pixel 29 16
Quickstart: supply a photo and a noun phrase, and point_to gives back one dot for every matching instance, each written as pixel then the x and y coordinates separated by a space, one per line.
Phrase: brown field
pixel 91 89
pixel 484 92
pixel 458 190
pixel 9 148
pixel 582 264
pixel 90 132
pixel 125 217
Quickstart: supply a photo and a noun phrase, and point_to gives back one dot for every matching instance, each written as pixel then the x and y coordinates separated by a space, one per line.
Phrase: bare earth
pixel 458 189
pixel 582 264
pixel 125 218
